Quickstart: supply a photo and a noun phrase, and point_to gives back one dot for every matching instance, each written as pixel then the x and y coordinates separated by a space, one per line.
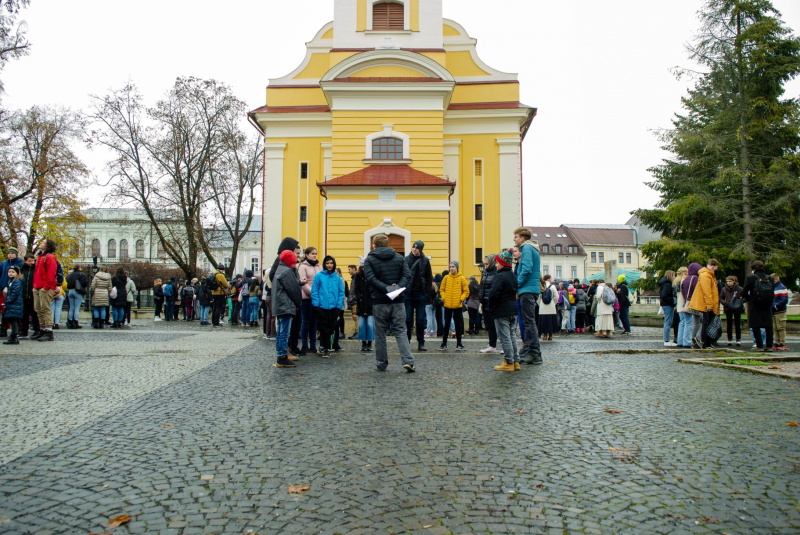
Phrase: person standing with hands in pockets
pixel 454 290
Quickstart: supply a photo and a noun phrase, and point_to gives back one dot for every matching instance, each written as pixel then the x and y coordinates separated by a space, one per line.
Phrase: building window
pixel 123 250
pixel 478 256
pixel 95 248
pixel 572 249
pixel 74 249
pixel 303 214
pixel 111 252
pixel 628 259
pixel 387 148
pixel 139 248
pixel 621 258
pixel 388 16
pixel 254 265
pixel 478 212
pixel 545 248
pixel 545 270
pixel 161 252
pixel 557 248
pixel 558 272
pixel 573 270
pixel 478 167
pixel 227 261
pixel 602 257
pixel 594 257
pixel 303 169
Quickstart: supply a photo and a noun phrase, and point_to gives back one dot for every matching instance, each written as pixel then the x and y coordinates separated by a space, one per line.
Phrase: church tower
pixel 392 124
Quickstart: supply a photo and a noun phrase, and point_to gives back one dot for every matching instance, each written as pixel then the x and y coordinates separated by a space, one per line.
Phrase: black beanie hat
pixel 419 244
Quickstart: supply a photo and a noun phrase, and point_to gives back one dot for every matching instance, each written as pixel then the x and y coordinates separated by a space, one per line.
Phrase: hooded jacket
pixel 706 295
pixel 74 276
pixel 421 274
pixel 101 284
pixel 528 269
pixel 728 293
pixel 18 262
pixel 120 282
pixel 13 304
pixel 487 279
pixel 287 244
pixel 286 298
pixel 454 290
pixel 666 292
pixel 327 291
pixel 386 271
pixel 502 296
pixel 362 294
pixel 26 274
pixel 690 282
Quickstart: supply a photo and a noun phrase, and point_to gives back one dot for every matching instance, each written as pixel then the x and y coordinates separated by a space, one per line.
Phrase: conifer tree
pixel 731 190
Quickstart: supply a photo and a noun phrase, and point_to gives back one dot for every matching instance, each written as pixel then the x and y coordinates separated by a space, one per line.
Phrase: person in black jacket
pixel 489 272
pixel 158 299
pixel 759 292
pixel 28 313
pixel 386 271
pixel 503 308
pixel 170 295
pixel 77 286
pixel 668 301
pixel 119 281
pixel 416 294
pixel 363 297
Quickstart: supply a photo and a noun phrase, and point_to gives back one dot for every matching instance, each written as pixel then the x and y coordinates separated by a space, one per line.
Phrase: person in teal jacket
pixel 327 295
pixel 528 273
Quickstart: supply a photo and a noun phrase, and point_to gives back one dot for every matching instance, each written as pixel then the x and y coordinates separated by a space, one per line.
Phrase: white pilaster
pixel 510 186
pixel 327 161
pixel 272 222
pixel 452 168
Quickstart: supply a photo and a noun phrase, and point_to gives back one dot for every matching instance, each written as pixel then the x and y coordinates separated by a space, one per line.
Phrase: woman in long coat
pixel 759 312
pixel 604 316
pixel 101 284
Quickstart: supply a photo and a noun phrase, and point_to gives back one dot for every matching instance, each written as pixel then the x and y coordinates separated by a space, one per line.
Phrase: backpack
pixel 245 289
pixel 608 296
pixel 571 298
pixel 547 296
pixel 113 293
pixel 211 282
pixel 187 292
pixel 168 290
pixel 763 291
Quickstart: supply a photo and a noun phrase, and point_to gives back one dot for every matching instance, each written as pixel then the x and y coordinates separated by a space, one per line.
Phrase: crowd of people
pixel 301 302
pixel 691 299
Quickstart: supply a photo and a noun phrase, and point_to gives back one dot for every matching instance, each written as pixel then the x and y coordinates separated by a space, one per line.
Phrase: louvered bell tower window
pixel 388 16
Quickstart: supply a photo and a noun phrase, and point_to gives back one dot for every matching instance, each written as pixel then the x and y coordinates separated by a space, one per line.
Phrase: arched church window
pixel 139 248
pixel 112 249
pixel 123 250
pixel 95 248
pixel 387 148
pixel 388 16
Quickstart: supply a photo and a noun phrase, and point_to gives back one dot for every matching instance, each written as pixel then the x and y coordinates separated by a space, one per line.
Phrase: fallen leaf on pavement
pixel 179 364
pixel 773 368
pixel 298 489
pixel 737 400
pixel 117 521
pixel 102 533
pixel 709 520
pixel 520 411
pixel 792 424
pixel 613 411
pixel 169 425
pixel 207 477
pixel 291 395
pixel 618 450
pixel 478 414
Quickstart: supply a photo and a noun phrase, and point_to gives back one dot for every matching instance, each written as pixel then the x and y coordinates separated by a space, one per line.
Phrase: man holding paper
pixel 388 275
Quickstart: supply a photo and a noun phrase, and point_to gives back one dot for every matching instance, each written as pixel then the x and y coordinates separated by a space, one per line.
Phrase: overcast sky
pixel 598 72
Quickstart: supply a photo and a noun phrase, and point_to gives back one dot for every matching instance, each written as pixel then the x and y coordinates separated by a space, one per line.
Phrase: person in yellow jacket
pixel 454 291
pixel 705 301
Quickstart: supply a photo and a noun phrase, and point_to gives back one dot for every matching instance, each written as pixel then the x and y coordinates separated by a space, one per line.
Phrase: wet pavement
pixel 189 430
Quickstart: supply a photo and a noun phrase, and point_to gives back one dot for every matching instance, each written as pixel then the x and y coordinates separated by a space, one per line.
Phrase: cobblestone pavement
pixel 193 431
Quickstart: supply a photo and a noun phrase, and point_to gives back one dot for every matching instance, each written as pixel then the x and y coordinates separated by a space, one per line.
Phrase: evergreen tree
pixel 732 188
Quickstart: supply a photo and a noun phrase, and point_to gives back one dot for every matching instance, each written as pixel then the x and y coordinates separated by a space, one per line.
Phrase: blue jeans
pixel 255 302
pixel 57 307
pixel 572 310
pixel 684 329
pixel 366 328
pixel 169 310
pixel 99 313
pixel 308 325
pixel 415 302
pixel 204 313
pixel 668 313
pixel 623 317
pixel 75 302
pixel 245 310
pixel 118 313
pixel 284 326
pixel 430 313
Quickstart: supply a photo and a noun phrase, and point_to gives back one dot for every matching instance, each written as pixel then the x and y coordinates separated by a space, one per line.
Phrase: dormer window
pixel 558 248
pixel 387 148
pixel 388 16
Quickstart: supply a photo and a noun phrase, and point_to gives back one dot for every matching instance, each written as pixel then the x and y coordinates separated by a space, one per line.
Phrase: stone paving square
pixel 189 430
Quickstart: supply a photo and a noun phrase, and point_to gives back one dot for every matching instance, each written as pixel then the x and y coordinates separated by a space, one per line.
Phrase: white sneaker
pixel 157 318
pixel 670 344
pixel 489 349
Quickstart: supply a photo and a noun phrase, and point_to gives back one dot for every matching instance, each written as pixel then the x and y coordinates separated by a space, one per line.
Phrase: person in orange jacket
pixel 454 291
pixel 705 300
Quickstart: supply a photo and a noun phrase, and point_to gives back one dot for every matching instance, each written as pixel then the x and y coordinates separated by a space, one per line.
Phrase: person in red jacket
pixel 45 288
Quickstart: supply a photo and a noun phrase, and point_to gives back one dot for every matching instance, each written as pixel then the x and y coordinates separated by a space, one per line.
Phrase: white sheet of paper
pixel 393 295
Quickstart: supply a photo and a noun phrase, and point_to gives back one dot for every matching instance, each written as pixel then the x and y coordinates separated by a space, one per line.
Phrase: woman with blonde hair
pixel 158 299
pixel 681 307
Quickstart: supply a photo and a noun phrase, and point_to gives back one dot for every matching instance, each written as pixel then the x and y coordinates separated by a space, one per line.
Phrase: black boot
pixel 363 346
pixel 12 340
pixel 47 336
pixel 421 346
pixel 76 325
pixel 369 346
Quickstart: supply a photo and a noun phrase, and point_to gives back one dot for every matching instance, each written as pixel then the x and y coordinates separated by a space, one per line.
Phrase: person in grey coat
pixel 286 297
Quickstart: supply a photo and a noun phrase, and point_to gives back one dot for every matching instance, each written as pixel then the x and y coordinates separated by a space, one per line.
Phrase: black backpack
pixel 764 291
pixel 211 282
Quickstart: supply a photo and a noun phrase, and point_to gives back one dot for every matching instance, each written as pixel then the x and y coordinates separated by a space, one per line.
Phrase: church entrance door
pixel 397 243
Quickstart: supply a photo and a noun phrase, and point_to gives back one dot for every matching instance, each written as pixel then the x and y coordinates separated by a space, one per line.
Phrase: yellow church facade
pixel 392 124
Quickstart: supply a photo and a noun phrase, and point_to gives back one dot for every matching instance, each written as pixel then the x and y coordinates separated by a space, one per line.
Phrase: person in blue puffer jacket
pixel 12 313
pixel 327 295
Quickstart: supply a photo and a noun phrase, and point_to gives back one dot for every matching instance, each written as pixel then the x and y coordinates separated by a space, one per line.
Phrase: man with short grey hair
pixel 386 271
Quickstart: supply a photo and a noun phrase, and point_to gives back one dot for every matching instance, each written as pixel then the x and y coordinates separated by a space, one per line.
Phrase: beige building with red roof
pixel 561 256
pixel 393 124
pixel 608 242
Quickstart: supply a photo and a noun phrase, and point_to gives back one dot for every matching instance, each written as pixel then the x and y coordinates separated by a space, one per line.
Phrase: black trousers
pixel 439 324
pixel 457 315
pixel 29 316
pixel 128 312
pixel 328 325
pixel 490 328
pixel 757 336
pixel 707 317
pixel 734 319
pixel 218 308
pixel 158 304
pixel 237 308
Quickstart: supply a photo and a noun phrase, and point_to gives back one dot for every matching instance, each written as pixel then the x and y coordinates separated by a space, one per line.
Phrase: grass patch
pixel 746 362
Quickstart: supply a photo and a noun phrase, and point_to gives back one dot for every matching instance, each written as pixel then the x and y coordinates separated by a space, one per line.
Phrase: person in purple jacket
pixel 687 289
